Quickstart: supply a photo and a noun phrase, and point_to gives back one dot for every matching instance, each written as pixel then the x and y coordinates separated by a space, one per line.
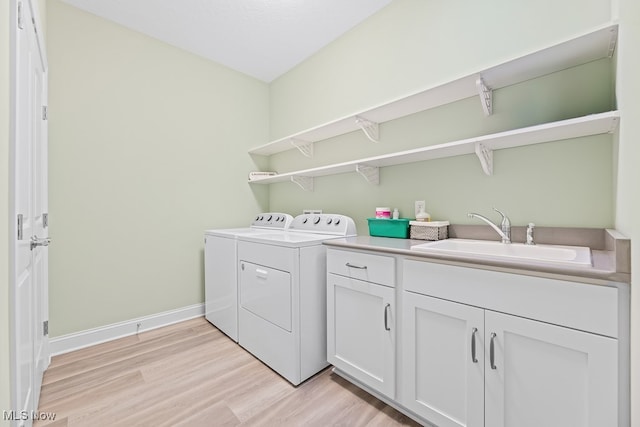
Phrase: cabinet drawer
pixel 591 308
pixel 363 266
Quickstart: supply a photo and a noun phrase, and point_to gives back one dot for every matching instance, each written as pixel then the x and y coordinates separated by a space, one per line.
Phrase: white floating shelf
pixel 594 124
pixel 581 50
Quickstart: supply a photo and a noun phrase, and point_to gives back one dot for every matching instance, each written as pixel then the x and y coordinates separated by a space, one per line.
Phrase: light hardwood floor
pixel 190 374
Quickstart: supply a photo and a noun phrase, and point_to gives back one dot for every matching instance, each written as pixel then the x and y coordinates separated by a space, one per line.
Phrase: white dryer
pixel 282 307
pixel 220 268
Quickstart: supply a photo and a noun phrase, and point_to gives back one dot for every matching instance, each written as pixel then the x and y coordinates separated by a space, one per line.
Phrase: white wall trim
pixel 77 340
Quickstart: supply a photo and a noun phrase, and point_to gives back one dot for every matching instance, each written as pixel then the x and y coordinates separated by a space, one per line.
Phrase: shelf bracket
pixel 306 148
pixel 369 128
pixel 614 125
pixel 612 41
pixel 370 173
pixel 486 158
pixel 304 182
pixel 486 96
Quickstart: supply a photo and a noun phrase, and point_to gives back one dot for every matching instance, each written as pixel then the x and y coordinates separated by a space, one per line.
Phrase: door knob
pixel 36 241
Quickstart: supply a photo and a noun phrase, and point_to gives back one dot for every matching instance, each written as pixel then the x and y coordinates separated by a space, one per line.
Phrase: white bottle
pixel 423 216
pixel 396 214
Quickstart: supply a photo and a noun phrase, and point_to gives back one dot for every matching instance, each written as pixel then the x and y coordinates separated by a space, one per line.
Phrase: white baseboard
pixel 77 340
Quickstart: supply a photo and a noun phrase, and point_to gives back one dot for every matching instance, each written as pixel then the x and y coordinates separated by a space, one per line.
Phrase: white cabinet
pixel 443 361
pixel 539 374
pixel 547 375
pixel 361 321
pixel 458 346
pixel 465 365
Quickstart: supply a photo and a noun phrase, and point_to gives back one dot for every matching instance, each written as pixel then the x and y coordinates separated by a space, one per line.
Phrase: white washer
pixel 220 268
pixel 282 307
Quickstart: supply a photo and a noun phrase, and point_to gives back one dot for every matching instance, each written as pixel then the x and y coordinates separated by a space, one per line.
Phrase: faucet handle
pixel 505 219
pixel 530 234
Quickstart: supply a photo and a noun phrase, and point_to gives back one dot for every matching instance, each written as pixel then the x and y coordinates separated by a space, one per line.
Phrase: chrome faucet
pixel 505 225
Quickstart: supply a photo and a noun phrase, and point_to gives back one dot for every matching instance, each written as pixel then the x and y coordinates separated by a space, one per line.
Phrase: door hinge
pixel 20 225
pixel 20 20
pixel 45 113
pixel 45 328
pixel 45 220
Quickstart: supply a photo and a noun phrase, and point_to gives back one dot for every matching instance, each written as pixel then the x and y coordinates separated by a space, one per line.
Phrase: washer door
pixel 266 292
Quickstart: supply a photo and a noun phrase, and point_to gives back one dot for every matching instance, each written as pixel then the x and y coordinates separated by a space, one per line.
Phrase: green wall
pixel 412 45
pixel 147 150
pixel 5 400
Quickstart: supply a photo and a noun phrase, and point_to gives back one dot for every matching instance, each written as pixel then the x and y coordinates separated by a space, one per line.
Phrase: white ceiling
pixel 261 38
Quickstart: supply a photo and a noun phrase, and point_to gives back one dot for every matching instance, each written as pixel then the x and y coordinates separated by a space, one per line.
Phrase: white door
pixel 443 361
pixel 267 293
pixel 547 375
pixel 361 331
pixel 29 282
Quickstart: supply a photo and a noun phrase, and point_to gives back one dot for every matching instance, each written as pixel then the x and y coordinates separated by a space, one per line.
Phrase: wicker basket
pixel 435 230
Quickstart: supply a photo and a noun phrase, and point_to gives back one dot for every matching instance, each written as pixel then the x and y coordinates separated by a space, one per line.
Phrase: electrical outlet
pixel 419 206
pixel 312 211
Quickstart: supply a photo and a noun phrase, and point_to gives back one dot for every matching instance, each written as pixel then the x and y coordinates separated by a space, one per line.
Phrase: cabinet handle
pixel 386 317
pixel 492 351
pixel 473 345
pixel 361 267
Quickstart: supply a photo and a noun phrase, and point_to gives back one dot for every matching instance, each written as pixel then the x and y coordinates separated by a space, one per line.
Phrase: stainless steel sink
pixel 567 255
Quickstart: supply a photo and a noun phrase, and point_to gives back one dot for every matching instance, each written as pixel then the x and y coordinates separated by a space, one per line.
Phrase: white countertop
pixel 602 272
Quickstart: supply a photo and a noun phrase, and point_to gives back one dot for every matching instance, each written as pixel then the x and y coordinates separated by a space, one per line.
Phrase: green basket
pixel 382 227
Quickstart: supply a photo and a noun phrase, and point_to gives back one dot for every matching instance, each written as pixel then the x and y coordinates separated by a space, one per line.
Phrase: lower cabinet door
pixel 539 374
pixel 443 361
pixel 361 331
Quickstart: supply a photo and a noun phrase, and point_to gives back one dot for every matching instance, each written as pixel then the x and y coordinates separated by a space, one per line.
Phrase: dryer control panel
pixel 333 224
pixel 272 220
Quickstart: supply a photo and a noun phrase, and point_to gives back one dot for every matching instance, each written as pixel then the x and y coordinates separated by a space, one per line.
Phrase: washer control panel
pixel 335 224
pixel 272 220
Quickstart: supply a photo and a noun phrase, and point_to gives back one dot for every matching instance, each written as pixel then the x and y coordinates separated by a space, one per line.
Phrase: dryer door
pixel 266 292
